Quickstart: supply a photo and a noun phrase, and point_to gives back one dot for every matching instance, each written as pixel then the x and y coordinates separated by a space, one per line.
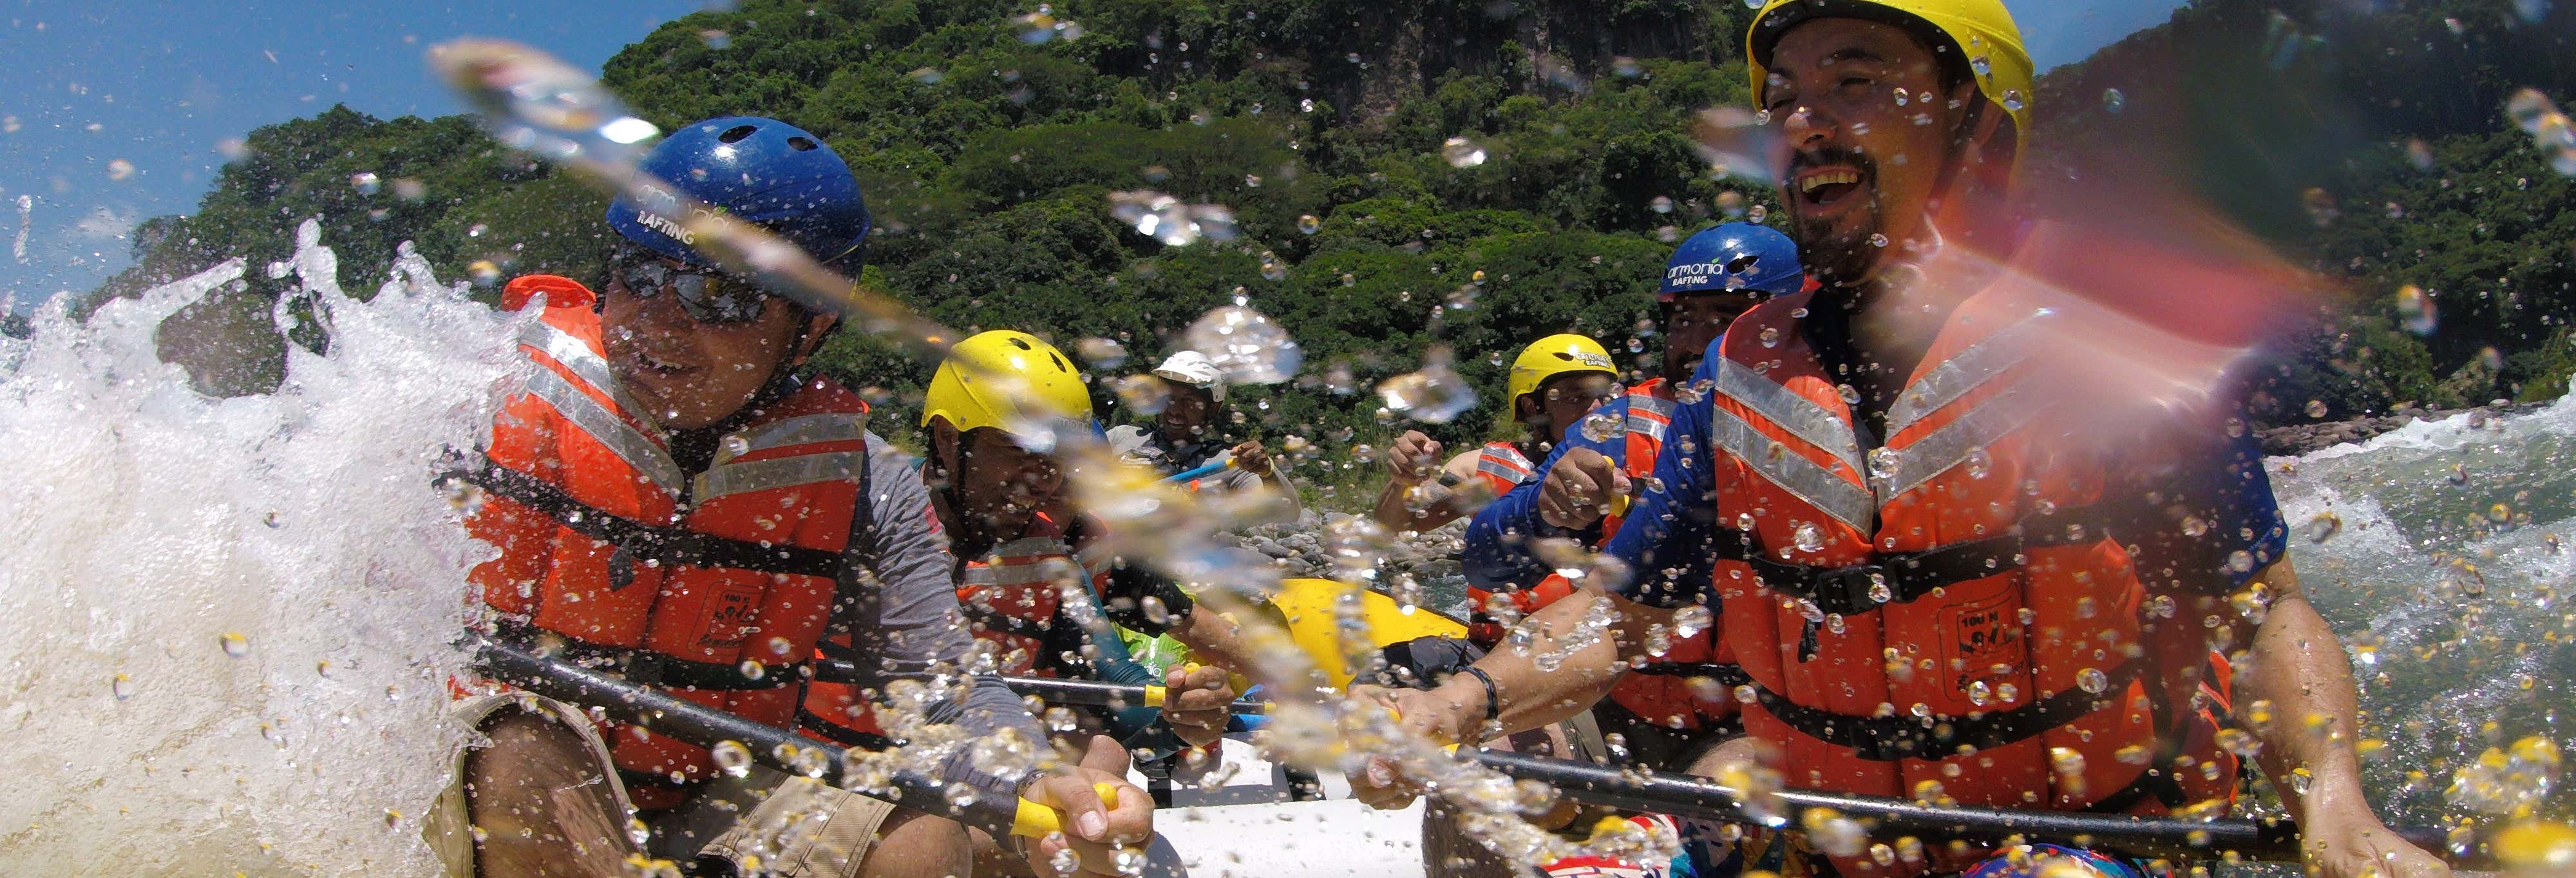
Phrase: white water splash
pixel 150 526
pixel 2448 581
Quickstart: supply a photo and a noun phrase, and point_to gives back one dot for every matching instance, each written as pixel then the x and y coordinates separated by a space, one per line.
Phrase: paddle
pixel 1088 693
pixel 771 746
pixel 1221 464
pixel 1685 796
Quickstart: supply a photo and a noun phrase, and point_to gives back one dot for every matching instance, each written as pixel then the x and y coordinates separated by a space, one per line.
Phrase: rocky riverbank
pixel 2298 439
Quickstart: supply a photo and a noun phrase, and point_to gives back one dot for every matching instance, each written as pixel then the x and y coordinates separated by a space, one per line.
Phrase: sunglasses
pixel 707 295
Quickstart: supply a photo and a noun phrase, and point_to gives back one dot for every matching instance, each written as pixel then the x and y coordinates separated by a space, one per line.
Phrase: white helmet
pixel 1196 370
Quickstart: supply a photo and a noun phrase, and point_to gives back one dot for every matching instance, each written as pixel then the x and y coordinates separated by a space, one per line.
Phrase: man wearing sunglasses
pixel 677 501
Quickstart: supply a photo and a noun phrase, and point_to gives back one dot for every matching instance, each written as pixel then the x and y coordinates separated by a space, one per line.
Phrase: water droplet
pixel 1602 427
pixel 1883 463
pixel 732 757
pixel 234 644
pixel 2316 408
pixel 1101 353
pixel 2012 100
pixel 1979 693
pixel 1309 224
pixel 365 182
pixel 1808 537
pixel 1660 204
pixel 735 445
pixel 2093 680
pixel 1434 394
pixel 1757 213
pixel 1770 336
pixel 1272 267
pixel 1460 152
pixel 1690 620
pixel 1464 297
pixel 1877 240
pixel 715 39
pixel 2113 101
pixel 1164 218
pixel 1246 346
pixel 1981 66
pixel 2323 527
pixel 121 686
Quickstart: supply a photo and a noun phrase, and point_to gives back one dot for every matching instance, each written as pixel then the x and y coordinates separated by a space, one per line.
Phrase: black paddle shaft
pixel 2273 840
pixel 1088 693
pixel 705 726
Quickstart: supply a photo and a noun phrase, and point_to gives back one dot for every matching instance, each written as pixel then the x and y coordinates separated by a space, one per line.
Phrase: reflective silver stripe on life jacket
pixel 1847 501
pixel 586 413
pixel 1961 438
pixel 1649 415
pixel 775 473
pixel 1964 371
pixel 585 363
pixel 803 430
pixel 1801 416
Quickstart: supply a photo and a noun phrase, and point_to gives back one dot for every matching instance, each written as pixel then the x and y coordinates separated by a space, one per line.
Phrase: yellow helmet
pixel 1981 31
pixel 973 387
pixel 1553 356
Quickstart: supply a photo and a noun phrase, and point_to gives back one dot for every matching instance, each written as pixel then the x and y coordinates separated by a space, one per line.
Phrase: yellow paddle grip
pixel 1035 821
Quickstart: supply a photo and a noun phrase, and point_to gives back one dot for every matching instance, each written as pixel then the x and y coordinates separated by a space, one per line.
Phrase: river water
pixel 221 619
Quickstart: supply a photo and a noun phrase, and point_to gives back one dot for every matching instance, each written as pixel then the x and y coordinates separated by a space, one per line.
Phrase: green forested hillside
pixel 988 133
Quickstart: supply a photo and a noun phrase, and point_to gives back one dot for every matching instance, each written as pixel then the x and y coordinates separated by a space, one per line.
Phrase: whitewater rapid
pixel 223 619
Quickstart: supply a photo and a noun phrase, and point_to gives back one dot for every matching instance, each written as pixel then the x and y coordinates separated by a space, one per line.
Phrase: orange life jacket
pixel 712 588
pixel 1012 598
pixel 1943 610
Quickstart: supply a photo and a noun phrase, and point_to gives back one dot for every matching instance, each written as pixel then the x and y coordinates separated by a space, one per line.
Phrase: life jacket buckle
pixel 644 668
pixel 1850 591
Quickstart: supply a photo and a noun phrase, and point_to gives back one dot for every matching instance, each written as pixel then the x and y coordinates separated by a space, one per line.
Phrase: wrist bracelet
pixel 1493 698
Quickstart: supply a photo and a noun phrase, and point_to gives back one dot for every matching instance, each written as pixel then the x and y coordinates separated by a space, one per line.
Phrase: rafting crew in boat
pixel 1926 584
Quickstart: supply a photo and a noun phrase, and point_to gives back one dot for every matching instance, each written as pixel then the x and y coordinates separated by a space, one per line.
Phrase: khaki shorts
pixel 793 826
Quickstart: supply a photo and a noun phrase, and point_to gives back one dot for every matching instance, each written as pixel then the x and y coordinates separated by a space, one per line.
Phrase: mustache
pixel 1828 156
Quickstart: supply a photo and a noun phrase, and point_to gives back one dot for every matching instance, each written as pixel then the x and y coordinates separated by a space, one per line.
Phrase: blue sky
pixel 114 111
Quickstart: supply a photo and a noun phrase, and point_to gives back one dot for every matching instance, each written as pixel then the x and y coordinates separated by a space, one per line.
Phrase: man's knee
pixel 918 845
pixel 530 753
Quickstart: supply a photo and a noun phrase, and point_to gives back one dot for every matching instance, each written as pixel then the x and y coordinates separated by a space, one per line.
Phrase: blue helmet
pixel 763 171
pixel 1734 257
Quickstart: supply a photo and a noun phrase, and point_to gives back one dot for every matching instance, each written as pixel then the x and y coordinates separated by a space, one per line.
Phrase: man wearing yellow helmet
pixel 1553 383
pixel 994 409
pixel 1926 589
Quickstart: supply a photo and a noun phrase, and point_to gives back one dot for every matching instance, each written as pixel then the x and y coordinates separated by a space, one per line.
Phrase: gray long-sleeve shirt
pixel 912 623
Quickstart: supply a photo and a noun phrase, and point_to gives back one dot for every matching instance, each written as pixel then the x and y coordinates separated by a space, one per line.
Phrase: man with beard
pixel 1915 564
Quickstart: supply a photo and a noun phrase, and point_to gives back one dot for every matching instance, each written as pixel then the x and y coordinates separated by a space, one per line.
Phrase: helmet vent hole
pixel 1565 356
pixel 736 133
pixel 800 144
pixel 1022 345
pixel 1059 363
pixel 1744 263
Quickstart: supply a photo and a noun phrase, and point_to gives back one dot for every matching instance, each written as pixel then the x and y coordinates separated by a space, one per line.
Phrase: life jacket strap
pixel 667 545
pixel 1891 738
pixel 1901 577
